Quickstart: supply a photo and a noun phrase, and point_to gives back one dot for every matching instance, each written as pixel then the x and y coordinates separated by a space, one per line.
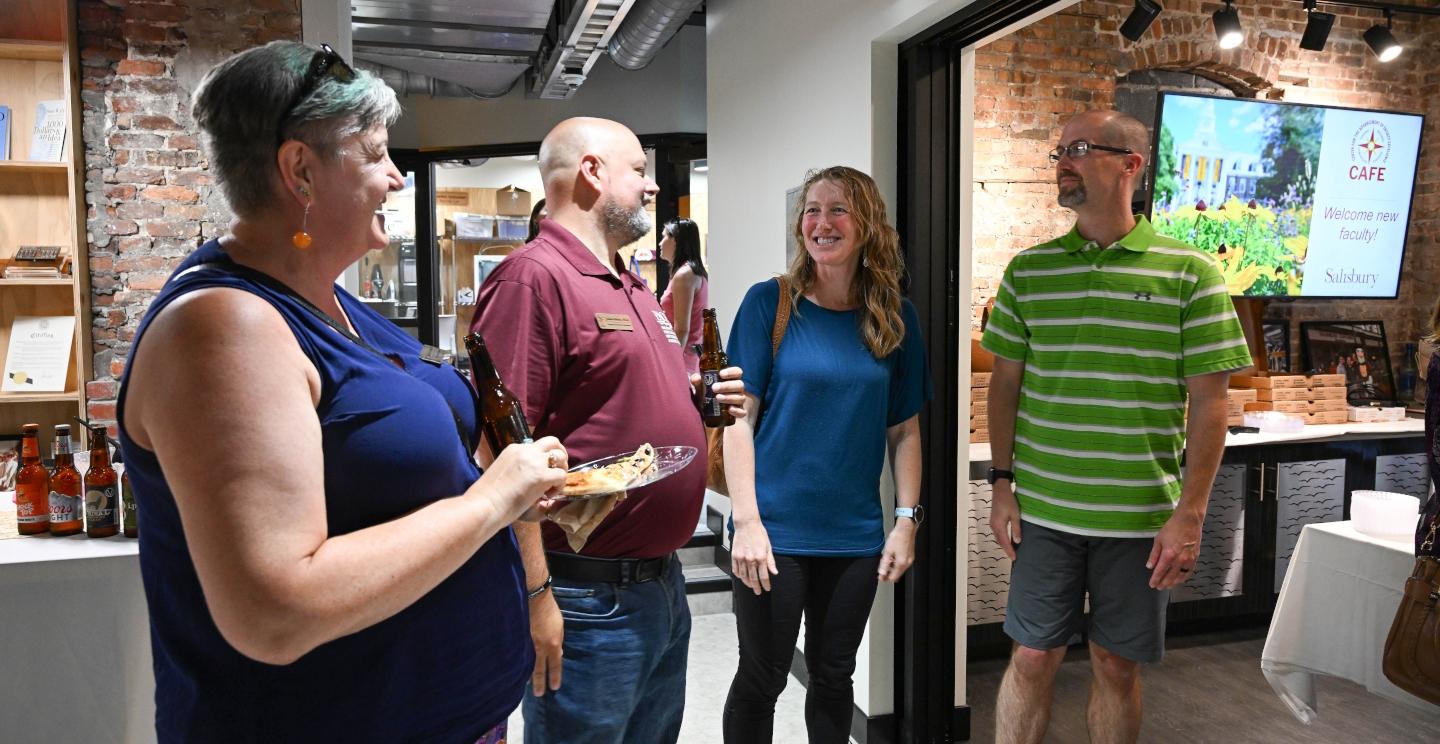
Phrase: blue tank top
pixel 447 668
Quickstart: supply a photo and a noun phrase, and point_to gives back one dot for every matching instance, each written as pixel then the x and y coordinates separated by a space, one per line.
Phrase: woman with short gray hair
pixel 322 559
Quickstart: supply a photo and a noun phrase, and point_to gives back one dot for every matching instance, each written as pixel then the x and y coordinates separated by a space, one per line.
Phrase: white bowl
pixel 1384 514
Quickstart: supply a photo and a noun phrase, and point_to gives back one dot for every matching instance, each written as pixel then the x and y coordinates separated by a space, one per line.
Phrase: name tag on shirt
pixel 614 322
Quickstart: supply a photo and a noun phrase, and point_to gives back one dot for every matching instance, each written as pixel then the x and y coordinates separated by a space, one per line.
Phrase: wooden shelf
pixel 43 203
pixel 22 49
pixel 67 397
pixel 36 282
pixel 33 166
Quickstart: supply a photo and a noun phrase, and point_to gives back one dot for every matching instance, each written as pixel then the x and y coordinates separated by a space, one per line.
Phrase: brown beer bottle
pixel 32 485
pixel 102 489
pixel 129 507
pixel 712 360
pixel 67 509
pixel 502 419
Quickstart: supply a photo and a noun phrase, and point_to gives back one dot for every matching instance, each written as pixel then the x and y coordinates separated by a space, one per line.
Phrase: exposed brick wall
pixel 148 192
pixel 1030 82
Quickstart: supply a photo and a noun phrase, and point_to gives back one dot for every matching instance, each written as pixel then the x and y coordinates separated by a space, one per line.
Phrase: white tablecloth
pixel 74 642
pixel 1334 611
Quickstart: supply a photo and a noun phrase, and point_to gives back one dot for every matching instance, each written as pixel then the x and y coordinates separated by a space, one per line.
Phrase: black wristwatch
pixel 996 474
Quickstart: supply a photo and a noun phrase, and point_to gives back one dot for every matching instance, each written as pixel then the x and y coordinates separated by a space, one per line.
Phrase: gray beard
pixel 626 227
pixel 1073 198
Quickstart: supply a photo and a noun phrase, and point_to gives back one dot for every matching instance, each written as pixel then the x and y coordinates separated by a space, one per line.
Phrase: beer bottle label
pixel 712 406
pixel 64 507
pixel 25 512
pixel 130 510
pixel 100 507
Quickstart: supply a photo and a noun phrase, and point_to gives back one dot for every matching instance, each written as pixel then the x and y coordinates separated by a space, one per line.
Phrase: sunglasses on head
pixel 326 63
pixel 1080 148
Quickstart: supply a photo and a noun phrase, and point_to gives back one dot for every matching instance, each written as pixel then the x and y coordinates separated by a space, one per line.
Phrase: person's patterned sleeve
pixel 1006 335
pixel 1211 339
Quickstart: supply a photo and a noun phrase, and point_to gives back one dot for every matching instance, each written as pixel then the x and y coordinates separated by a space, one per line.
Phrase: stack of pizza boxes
pixel 1319 399
pixel 979 406
pixel 1236 398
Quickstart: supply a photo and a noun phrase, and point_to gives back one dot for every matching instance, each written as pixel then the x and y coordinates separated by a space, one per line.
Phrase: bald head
pixel 595 181
pixel 571 140
pixel 1116 129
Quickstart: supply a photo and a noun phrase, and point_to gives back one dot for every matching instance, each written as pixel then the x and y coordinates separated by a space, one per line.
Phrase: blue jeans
pixel 625 650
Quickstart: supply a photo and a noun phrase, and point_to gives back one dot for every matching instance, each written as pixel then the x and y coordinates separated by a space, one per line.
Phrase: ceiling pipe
pixel 406 83
pixel 647 29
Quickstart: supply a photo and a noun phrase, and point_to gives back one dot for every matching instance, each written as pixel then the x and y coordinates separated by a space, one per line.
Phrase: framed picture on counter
pixel 1356 349
pixel 1277 345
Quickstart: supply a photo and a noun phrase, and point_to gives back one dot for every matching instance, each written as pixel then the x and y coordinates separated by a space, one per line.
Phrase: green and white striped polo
pixel 1108 337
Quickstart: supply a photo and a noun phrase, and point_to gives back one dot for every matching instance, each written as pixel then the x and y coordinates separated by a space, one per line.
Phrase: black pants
pixel 835 595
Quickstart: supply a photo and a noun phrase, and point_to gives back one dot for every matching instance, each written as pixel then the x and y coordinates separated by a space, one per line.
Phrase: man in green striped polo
pixel 1098 337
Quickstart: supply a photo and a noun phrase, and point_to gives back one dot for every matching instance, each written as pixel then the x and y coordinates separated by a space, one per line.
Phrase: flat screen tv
pixel 1295 200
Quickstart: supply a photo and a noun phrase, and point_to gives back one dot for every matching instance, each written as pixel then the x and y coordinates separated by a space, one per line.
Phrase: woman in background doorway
pixel 689 290
pixel 536 214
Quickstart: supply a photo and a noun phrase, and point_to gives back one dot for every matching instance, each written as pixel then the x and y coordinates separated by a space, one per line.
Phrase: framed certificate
pixel 38 359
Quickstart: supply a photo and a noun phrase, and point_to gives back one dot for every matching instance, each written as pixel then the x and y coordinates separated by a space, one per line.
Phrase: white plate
pixel 668 461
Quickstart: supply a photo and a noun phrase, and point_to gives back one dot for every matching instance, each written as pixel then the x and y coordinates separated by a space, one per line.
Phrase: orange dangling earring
pixel 301 239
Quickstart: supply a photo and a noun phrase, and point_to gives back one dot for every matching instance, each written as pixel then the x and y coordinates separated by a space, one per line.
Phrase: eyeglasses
pixel 326 62
pixel 1080 148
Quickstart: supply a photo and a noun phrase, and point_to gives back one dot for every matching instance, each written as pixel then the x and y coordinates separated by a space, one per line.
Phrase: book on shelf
pixel 38 262
pixel 4 132
pixel 22 271
pixel 47 139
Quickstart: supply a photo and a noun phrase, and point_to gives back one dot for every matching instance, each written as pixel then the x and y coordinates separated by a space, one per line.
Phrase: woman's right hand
pixel 523 475
pixel 750 556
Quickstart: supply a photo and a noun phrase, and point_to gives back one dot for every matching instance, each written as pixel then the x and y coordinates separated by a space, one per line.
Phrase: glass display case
pixel 387 280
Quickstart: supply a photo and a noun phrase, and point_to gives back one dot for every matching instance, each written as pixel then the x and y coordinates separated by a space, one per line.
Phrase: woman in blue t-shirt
pixel 846 384
pixel 322 559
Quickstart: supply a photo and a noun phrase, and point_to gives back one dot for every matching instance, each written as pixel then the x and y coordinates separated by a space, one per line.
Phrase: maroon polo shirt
pixel 601 390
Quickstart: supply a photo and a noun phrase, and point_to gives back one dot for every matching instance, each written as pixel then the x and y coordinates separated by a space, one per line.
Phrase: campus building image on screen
pixel 1294 200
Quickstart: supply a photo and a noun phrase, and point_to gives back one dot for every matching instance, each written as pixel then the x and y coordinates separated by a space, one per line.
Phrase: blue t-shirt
pixel 826 405
pixel 448 667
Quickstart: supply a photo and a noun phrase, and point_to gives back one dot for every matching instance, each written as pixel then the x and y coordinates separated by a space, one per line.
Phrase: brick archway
pixel 1187 44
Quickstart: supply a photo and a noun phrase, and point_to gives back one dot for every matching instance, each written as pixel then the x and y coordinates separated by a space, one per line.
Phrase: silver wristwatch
pixel 916 513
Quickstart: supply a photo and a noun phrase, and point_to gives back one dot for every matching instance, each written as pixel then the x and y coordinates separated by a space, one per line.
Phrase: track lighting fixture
pixel 1317 28
pixel 1140 19
pixel 1382 42
pixel 1228 32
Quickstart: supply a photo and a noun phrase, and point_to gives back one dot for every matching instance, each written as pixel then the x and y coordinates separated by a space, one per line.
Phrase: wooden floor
pixel 1209 689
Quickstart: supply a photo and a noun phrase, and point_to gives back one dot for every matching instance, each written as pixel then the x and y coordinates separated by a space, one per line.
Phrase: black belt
pixel 614 570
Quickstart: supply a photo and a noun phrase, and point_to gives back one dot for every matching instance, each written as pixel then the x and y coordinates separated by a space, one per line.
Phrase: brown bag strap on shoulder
pixel 782 317
pixel 715 438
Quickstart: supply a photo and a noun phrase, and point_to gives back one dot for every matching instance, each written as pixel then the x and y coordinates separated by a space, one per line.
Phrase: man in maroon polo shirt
pixel 586 348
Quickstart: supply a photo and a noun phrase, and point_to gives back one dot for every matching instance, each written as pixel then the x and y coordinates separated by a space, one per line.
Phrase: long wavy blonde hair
pixel 876 287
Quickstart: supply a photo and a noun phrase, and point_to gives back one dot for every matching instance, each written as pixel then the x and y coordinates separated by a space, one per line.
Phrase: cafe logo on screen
pixel 1369 149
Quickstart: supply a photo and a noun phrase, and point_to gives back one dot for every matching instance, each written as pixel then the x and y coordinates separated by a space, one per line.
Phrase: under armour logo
pixel 1142 296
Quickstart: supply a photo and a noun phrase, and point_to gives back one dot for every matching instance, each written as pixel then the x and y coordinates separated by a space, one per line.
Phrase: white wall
pixel 796 85
pixel 666 96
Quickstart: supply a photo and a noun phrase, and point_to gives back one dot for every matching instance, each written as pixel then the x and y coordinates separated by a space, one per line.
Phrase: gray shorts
pixel 1051 575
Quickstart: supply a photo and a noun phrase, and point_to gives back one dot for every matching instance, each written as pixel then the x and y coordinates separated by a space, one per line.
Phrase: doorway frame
pixel 930 192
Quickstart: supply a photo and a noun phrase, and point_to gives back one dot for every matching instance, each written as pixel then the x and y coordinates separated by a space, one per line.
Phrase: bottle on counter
pixel 32 485
pixel 129 507
pixel 102 491
pixel 67 508
pixel 502 419
pixel 712 360
pixel 1407 375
